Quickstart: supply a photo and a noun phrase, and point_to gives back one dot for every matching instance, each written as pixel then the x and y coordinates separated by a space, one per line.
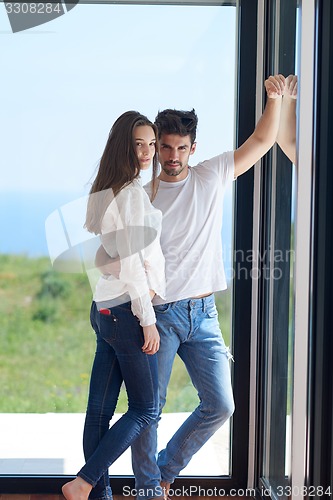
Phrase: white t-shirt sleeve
pixel 222 166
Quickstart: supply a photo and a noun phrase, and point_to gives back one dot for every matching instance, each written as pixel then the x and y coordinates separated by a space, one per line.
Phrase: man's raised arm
pixel 265 133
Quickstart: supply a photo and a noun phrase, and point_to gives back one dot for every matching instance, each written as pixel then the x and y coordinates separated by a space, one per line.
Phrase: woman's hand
pixel 151 339
pixel 291 86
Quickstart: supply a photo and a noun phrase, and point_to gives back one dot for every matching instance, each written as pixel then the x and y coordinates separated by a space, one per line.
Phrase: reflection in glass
pixel 278 336
pixel 79 74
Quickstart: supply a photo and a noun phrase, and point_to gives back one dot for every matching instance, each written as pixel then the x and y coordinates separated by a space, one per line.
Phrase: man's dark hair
pixel 173 121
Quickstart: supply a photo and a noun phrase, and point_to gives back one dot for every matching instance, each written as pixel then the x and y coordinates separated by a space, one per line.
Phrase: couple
pixel 130 348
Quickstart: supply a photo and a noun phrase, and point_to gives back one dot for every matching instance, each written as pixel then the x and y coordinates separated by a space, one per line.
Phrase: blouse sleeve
pixel 131 239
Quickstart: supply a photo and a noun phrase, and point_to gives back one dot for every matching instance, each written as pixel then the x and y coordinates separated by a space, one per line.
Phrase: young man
pixel 190 199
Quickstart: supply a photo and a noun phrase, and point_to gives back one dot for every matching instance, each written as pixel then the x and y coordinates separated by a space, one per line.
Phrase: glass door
pixel 277 256
pixel 64 84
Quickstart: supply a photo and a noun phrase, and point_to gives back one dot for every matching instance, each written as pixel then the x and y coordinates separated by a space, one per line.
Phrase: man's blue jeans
pixel 189 328
pixel 118 358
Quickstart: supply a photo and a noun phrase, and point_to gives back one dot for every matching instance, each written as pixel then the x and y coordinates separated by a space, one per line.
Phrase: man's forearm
pixel 267 127
pixel 105 263
pixel 262 139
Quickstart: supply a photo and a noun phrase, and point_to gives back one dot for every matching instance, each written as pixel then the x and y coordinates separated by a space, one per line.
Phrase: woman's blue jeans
pixel 118 358
pixel 189 328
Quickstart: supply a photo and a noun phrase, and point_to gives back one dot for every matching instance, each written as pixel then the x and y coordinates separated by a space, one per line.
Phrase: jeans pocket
pixel 162 308
pixel 108 326
pixel 211 311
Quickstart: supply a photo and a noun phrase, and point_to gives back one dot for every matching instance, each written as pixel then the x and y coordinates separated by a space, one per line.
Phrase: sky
pixel 64 83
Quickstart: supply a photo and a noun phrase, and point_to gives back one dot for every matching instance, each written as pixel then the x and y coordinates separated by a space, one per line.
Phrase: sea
pixel 24 217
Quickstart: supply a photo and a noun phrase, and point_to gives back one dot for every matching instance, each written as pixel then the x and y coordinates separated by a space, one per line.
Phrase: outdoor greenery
pixel 47 343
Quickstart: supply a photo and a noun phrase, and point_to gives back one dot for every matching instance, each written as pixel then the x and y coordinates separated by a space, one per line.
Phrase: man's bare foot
pixel 78 489
pixel 166 489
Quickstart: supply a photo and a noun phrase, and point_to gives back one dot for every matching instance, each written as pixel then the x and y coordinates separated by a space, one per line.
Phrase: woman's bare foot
pixel 78 489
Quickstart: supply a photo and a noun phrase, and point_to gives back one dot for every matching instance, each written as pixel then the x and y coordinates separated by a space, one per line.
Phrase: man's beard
pixel 173 171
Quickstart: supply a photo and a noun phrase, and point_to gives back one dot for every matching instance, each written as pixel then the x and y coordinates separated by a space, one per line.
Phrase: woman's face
pixel 144 143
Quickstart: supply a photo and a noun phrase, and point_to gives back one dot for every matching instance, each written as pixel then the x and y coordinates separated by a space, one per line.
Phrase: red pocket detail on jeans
pixel 107 312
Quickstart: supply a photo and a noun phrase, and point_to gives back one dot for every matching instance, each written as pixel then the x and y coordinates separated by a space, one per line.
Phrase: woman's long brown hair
pixel 118 167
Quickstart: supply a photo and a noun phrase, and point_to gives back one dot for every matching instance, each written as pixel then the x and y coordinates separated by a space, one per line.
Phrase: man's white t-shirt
pixel 191 238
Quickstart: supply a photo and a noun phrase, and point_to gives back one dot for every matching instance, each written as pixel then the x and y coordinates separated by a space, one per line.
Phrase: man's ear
pixel 194 145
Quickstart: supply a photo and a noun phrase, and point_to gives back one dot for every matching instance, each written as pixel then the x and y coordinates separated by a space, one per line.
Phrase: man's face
pixel 174 153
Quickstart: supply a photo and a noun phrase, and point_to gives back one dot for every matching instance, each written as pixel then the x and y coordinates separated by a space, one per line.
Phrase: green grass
pixel 47 343
pixel 46 339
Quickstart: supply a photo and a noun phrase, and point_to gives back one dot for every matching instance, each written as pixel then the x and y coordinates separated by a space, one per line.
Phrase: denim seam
pixel 200 419
pixel 106 483
pixel 87 479
pixel 172 460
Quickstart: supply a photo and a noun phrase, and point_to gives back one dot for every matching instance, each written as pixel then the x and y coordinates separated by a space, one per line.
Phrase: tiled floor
pixel 40 497
pixel 60 497
pixel 51 443
pixel 31 497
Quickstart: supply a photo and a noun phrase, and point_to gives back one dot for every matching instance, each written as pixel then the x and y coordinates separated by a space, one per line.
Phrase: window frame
pixel 274 182
pixel 320 428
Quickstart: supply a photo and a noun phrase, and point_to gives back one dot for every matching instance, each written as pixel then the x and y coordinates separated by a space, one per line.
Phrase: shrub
pixel 53 285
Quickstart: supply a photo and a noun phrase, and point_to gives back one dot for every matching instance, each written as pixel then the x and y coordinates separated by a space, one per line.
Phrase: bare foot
pixel 166 488
pixel 78 489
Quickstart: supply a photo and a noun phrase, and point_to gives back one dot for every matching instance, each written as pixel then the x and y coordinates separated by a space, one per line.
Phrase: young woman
pixel 121 313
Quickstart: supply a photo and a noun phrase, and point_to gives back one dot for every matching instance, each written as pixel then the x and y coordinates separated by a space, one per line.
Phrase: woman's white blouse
pixel 131 229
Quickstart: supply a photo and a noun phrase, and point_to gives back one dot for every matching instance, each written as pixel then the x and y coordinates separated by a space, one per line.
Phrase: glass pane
pixel 64 84
pixel 279 327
